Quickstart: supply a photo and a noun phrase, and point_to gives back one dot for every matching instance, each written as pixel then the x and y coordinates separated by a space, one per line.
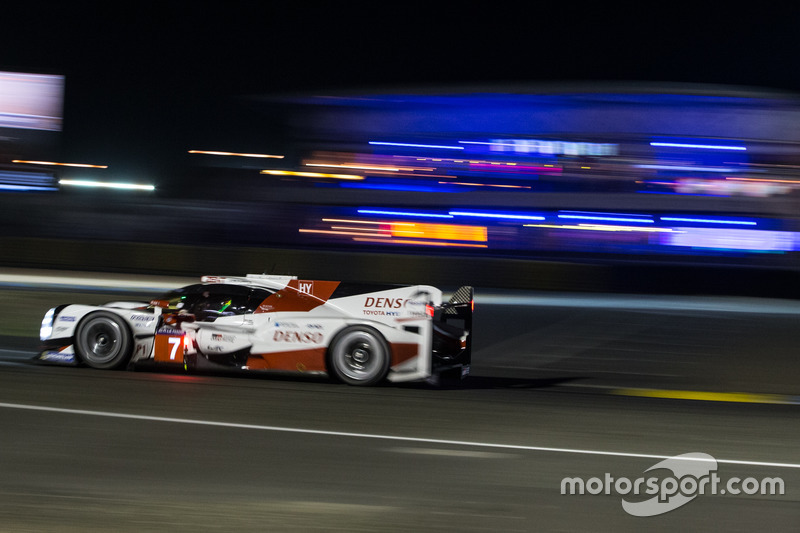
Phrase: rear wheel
pixel 359 356
pixel 103 341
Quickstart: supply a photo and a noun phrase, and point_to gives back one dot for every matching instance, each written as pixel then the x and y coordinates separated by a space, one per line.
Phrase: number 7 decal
pixel 167 348
pixel 175 341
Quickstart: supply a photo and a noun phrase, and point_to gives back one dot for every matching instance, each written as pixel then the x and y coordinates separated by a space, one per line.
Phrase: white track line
pixel 371 435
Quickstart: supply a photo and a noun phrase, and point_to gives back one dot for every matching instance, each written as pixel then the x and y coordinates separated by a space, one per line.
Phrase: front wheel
pixel 103 341
pixel 359 356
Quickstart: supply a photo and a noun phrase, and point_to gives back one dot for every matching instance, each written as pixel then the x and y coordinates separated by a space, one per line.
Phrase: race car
pixel 361 335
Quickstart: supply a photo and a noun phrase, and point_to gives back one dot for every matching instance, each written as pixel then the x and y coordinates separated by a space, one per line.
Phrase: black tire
pixel 103 340
pixel 359 355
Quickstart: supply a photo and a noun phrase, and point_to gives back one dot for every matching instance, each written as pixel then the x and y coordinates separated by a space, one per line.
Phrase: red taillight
pixel 429 310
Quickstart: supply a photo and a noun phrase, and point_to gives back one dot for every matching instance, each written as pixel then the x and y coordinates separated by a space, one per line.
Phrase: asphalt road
pixel 555 394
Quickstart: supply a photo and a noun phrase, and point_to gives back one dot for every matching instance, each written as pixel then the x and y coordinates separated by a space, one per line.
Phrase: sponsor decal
pixel 218 337
pixel 384 303
pixel 307 337
pixel 286 325
pixel 169 331
pixel 314 326
pixel 380 312
pixel 66 318
pixel 60 329
pixel 306 287
pixel 142 321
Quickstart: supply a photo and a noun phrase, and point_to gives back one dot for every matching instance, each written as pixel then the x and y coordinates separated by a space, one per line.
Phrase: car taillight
pixel 429 310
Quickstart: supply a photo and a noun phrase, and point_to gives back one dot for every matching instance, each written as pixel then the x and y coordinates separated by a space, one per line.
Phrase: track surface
pixel 141 451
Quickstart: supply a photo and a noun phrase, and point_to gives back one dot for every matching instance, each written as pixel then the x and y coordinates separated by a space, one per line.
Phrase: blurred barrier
pixel 369 267
pixel 351 266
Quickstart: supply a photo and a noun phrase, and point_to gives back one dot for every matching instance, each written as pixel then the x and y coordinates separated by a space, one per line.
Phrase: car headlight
pixel 47 325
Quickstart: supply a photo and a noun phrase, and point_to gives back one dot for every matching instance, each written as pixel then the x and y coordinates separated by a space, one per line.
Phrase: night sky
pixel 145 80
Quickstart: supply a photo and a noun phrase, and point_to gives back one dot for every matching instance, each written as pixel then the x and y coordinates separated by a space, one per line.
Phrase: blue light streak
pixel 402 213
pixel 511 144
pixel 700 146
pixel 381 143
pixel 570 212
pixel 393 187
pixel 25 188
pixel 709 221
pixel 496 215
pixel 609 219
pixel 679 168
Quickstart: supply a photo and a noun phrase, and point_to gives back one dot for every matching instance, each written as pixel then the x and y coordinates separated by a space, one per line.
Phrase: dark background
pixel 148 81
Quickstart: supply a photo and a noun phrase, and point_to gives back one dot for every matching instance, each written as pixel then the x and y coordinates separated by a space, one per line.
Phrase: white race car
pixel 358 334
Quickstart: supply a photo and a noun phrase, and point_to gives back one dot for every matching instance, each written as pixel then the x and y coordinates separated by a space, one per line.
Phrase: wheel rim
pixel 359 356
pixel 101 340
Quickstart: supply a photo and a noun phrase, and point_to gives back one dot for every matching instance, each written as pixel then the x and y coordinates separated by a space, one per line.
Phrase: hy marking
pixel 484 445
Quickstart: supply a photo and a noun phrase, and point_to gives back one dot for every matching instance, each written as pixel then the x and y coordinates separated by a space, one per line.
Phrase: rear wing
pixel 460 307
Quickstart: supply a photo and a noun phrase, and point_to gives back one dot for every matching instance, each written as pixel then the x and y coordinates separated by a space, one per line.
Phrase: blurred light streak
pixel 709 221
pixel 359 167
pixel 425 176
pixel 689 168
pixel 606 218
pixel 700 146
pixel 666 193
pixel 486 185
pixel 311 174
pixel 449 232
pixel 549 147
pixel 236 154
pixel 395 187
pixel 52 163
pixel 410 145
pixel 766 180
pixel 511 216
pixel 489 143
pixel 734 239
pixel 333 232
pixel 402 213
pixel 345 221
pixel 602 227
pixel 421 243
pixel 495 165
pixel 107 185
pixel 513 166
pixel 360 230
pixel 7 187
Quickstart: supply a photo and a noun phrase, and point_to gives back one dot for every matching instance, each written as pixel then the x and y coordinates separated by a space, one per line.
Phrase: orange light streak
pixel 486 185
pixel 311 174
pixel 52 163
pixel 422 243
pixel 236 154
pixel 331 232
pixel 366 222
pixel 450 232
